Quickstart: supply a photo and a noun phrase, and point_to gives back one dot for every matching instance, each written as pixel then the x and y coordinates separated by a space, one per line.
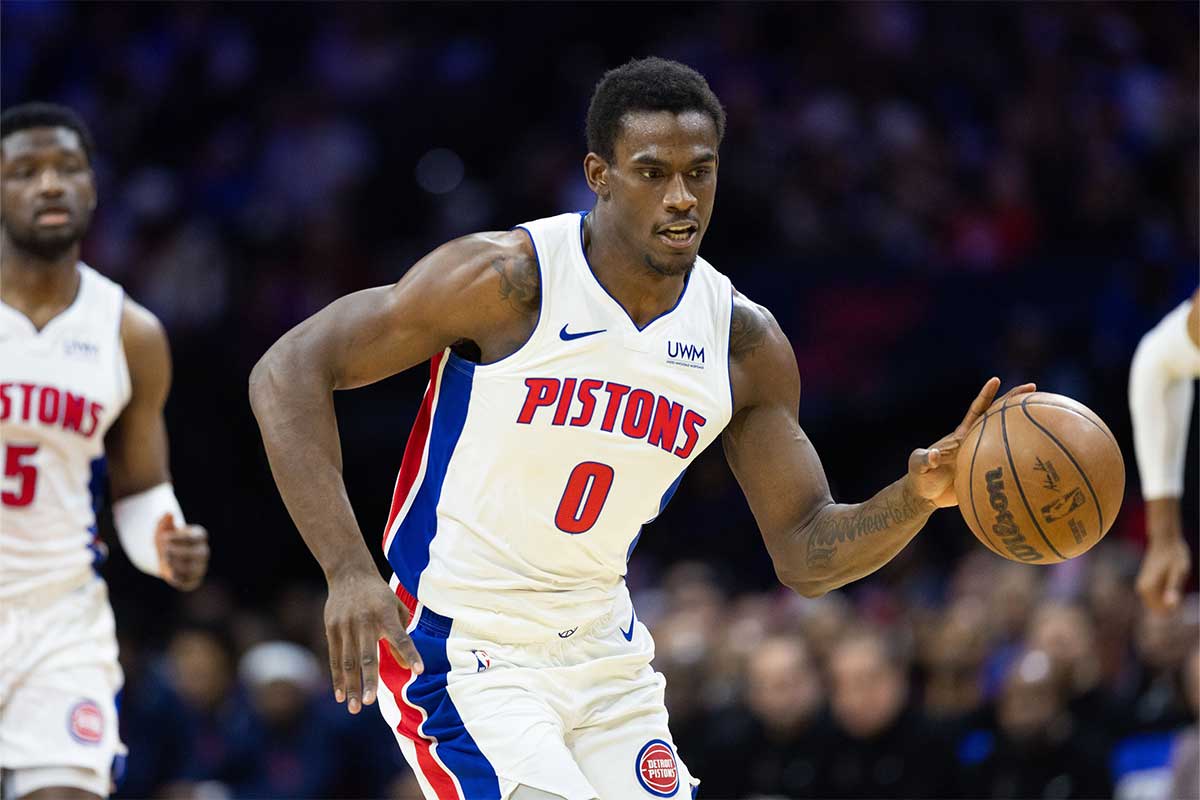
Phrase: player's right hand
pixel 360 613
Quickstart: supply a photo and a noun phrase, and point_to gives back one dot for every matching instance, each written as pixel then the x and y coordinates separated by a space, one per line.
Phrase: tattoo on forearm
pixel 747 331
pixel 870 517
pixel 520 283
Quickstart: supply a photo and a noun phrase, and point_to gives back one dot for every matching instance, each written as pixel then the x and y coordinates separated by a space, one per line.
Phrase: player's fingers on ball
pixel 1024 388
pixel 978 406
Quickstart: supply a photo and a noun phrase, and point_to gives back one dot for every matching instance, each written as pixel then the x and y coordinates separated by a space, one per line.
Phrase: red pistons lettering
pixel 639 413
pixel 49 405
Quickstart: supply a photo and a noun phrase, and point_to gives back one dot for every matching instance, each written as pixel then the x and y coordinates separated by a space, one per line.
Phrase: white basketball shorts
pixel 59 678
pixel 581 717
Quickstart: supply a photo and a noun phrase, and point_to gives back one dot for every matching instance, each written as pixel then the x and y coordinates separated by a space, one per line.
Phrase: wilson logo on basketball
pixel 1006 527
pixel 657 770
pixel 86 724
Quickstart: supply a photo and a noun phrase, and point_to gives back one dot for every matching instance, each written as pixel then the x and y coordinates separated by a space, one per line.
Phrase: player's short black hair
pixel 46 115
pixel 647 84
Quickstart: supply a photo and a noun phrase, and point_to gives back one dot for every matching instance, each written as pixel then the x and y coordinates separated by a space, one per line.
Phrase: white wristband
pixel 136 519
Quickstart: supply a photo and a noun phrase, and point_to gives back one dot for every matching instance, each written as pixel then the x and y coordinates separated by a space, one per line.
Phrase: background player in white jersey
pixel 84 374
pixel 1165 364
pixel 576 340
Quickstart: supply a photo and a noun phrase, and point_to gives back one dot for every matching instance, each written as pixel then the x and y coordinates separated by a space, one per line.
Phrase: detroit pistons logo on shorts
pixel 657 770
pixel 86 723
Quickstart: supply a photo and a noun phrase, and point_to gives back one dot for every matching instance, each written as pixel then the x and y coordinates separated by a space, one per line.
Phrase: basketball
pixel 1039 478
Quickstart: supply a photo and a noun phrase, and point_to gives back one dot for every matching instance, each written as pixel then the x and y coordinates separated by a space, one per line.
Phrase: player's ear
pixel 595 171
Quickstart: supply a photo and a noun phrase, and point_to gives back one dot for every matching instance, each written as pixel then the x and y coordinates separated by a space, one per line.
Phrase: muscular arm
pixel 481 288
pixel 483 292
pixel 816 544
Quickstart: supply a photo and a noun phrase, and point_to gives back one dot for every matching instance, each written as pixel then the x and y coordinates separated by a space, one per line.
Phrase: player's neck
pixel 642 292
pixel 31 283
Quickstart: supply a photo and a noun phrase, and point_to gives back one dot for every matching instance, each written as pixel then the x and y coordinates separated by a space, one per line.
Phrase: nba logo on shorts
pixel 86 723
pixel 657 770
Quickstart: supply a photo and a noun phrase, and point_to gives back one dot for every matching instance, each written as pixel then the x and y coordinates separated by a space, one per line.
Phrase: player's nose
pixel 678 196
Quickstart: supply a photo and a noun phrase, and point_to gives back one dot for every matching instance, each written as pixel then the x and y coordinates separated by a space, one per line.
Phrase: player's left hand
pixel 182 552
pixel 931 470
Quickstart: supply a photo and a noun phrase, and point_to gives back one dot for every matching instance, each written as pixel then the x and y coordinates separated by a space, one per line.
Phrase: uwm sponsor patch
pixel 86 722
pixel 657 770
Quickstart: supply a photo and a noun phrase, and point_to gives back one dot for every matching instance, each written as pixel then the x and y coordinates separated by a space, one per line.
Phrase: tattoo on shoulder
pixel 520 282
pixel 747 330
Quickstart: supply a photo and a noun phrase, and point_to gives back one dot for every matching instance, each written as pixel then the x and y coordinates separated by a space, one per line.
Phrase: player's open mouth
pixel 679 236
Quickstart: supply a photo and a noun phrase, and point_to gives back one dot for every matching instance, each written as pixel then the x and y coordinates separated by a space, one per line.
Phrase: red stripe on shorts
pixel 396 677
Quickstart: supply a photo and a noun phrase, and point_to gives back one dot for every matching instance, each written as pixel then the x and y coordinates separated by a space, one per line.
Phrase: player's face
pixel 662 183
pixel 48 192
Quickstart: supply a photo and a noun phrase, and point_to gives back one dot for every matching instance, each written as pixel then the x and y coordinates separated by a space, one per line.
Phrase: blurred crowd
pixel 1011 682
pixel 924 195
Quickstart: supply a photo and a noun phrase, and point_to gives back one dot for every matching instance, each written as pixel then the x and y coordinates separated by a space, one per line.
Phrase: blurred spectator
pixel 954 662
pixel 1031 751
pixel 770 744
pixel 881 744
pixel 152 723
pixel 1185 757
pixel 200 666
pixel 294 754
pixel 1066 634
pixel 1162 643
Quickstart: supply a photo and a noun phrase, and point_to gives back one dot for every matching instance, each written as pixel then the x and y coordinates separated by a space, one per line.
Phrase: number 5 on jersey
pixel 18 467
pixel 583 499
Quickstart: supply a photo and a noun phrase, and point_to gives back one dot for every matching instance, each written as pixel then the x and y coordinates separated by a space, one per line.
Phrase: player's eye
pixel 21 171
pixel 700 172
pixel 650 174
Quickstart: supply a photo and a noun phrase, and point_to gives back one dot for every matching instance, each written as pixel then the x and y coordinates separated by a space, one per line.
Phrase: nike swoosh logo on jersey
pixel 566 337
pixel 628 634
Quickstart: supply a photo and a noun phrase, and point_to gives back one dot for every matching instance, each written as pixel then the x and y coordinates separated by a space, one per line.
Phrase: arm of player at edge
pixel 138 464
pixel 818 545
pixel 472 288
pixel 1160 407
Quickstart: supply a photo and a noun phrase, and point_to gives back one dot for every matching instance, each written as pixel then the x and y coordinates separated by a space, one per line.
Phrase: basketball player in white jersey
pixel 84 374
pixel 579 364
pixel 1165 363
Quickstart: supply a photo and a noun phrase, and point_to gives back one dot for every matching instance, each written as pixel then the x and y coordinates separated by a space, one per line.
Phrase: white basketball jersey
pixel 525 482
pixel 60 390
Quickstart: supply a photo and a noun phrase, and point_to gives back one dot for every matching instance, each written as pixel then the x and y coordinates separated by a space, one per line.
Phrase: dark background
pixel 924 196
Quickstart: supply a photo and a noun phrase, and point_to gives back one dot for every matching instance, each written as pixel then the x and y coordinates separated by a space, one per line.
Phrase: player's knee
pixel 60 793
